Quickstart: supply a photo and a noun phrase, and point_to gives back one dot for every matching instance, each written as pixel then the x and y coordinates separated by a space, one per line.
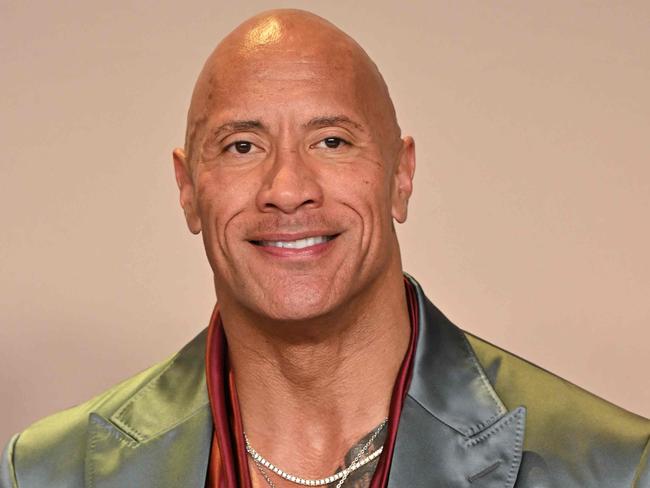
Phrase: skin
pixel 291 133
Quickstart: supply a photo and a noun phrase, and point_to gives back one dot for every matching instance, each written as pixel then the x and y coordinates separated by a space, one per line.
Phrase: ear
pixel 186 189
pixel 403 180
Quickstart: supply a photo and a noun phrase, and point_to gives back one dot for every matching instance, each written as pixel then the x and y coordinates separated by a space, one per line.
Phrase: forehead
pixel 284 81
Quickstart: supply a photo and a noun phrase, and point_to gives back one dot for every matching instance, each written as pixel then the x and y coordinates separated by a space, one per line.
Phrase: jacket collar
pixel 161 436
pixel 454 430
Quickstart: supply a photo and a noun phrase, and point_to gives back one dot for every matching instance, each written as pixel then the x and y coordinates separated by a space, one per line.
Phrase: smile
pixel 297 243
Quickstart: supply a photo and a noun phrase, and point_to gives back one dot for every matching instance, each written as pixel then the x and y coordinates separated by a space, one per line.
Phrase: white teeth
pixel 297 244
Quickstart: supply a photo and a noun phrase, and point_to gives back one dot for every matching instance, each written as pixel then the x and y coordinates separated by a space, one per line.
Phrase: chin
pixel 297 302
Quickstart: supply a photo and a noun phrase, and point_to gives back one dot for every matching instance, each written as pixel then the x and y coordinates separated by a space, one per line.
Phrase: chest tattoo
pixel 362 477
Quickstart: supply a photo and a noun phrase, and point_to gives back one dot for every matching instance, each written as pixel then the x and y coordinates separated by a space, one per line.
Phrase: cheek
pixel 211 196
pixel 221 196
pixel 364 189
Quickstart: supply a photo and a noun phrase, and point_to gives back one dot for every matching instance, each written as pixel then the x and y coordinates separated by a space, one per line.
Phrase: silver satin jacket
pixel 475 416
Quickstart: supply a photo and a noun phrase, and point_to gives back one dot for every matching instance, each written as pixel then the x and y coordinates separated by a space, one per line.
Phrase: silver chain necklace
pixel 263 464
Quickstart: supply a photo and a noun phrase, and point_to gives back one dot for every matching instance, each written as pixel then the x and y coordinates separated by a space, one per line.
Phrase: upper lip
pixel 291 236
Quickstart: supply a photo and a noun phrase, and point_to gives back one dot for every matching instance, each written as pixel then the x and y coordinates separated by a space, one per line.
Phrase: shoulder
pixel 517 380
pixel 564 420
pixel 60 439
pixel 52 450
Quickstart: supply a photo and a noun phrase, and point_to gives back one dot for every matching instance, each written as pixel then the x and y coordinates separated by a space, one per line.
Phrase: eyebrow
pixel 329 120
pixel 238 126
pixel 316 122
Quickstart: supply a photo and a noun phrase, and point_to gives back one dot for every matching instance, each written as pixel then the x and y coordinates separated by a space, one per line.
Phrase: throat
pixel 312 413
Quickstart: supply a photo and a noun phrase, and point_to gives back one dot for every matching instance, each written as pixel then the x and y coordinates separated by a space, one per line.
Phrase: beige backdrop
pixel 529 224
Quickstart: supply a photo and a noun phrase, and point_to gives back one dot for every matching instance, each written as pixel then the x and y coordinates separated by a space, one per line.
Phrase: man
pixel 323 365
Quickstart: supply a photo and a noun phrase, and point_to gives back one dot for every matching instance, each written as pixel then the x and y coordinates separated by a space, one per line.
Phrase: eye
pixel 241 147
pixel 332 142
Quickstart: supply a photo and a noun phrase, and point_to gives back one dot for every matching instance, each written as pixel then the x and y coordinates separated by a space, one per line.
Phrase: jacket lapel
pixel 454 431
pixel 161 436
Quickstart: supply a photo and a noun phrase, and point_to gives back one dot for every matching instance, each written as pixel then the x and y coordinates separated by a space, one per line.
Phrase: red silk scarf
pixel 228 463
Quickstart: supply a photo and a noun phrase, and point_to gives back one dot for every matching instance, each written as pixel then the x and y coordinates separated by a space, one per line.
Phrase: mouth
pixel 298 246
pixel 302 243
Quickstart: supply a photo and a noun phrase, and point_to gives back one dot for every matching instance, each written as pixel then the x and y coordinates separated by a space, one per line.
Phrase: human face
pixel 295 186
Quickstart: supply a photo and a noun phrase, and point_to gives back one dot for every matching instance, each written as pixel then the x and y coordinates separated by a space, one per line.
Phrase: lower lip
pixel 306 252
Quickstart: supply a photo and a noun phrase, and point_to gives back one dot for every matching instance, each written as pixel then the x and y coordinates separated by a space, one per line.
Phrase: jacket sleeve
pixel 7 474
pixel 642 475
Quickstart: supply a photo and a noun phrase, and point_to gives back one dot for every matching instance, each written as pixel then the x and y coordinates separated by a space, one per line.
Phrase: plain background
pixel 529 224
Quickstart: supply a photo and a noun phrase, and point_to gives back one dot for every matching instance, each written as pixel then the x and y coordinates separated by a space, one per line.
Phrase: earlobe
pixel 186 190
pixel 403 180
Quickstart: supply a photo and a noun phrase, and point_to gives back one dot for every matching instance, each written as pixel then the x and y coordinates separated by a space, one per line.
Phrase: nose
pixel 289 184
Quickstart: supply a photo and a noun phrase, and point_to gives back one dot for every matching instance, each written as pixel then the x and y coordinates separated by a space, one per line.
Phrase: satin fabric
pixel 228 466
pixel 474 416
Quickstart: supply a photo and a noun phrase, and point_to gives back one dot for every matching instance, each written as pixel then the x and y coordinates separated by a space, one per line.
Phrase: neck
pixel 322 384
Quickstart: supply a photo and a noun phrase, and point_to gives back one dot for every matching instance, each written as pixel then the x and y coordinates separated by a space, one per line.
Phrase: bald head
pixel 290 46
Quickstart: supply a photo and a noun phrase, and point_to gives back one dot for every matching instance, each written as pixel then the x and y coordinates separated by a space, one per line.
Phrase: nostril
pixel 289 206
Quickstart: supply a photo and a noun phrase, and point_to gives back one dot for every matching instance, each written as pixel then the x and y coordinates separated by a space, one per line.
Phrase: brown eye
pixel 333 142
pixel 242 147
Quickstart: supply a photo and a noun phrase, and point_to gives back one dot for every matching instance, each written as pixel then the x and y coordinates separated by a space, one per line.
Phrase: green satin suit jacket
pixel 475 417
